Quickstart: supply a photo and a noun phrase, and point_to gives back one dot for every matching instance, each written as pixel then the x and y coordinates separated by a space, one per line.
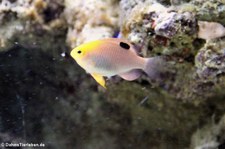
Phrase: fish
pixel 113 56
pixel 210 30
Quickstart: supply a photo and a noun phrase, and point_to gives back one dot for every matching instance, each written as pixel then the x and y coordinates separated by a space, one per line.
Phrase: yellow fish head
pixel 78 53
pixel 81 51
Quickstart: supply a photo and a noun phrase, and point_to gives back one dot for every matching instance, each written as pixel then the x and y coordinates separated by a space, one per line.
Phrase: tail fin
pixel 156 68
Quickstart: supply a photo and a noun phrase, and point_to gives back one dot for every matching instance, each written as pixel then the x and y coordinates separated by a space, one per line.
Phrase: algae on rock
pixel 26 21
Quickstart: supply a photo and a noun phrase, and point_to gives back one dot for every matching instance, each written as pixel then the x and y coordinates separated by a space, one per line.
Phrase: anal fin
pixel 131 75
pixel 100 79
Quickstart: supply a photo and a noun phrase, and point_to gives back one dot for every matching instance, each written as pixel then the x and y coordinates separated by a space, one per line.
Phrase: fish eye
pixel 79 51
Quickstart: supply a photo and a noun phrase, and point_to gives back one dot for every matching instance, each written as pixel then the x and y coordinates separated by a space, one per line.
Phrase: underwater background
pixel 45 97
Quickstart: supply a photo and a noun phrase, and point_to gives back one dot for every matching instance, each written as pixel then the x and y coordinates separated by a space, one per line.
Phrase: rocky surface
pixel 210 136
pixel 209 10
pixel 30 22
pixel 90 20
pixel 45 97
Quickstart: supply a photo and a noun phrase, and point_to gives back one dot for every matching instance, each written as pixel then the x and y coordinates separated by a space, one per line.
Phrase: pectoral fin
pixel 98 78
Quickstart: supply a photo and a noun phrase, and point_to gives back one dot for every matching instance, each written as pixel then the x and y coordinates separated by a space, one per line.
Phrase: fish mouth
pixel 72 54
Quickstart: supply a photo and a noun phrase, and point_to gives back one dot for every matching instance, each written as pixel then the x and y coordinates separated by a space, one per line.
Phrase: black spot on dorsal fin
pixel 124 45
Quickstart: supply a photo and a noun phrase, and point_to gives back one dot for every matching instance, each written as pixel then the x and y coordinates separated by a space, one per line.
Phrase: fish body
pixel 210 30
pixel 110 57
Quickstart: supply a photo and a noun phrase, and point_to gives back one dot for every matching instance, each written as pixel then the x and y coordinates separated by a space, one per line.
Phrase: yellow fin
pixel 98 78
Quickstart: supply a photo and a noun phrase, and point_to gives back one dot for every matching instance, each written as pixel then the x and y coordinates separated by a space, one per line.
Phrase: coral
pixel 209 10
pixel 152 26
pixel 210 66
pixel 171 31
pixel 210 61
pixel 22 21
pixel 210 136
pixel 170 24
pixel 82 23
